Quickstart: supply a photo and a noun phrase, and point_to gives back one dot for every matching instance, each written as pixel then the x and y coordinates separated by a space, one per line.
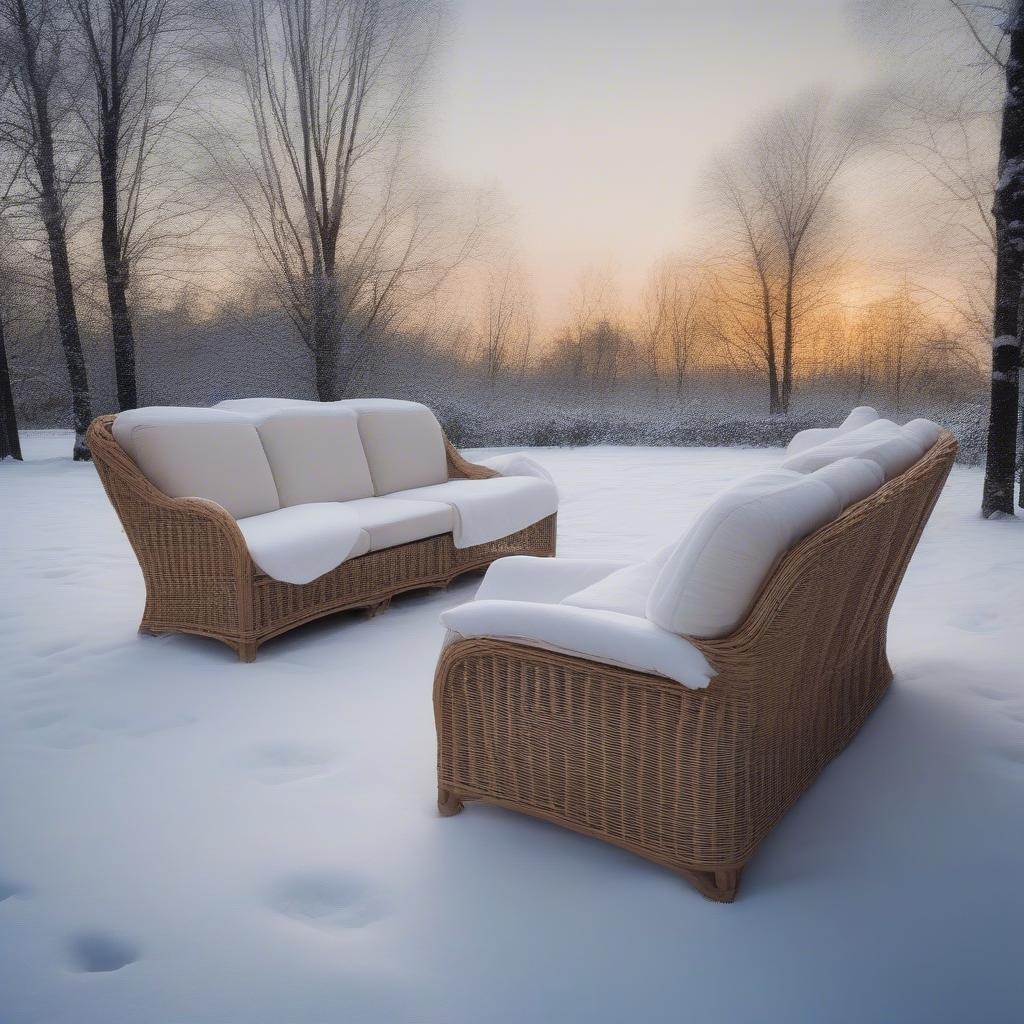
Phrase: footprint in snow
pixel 96 952
pixel 8 890
pixel 978 621
pixel 327 900
pixel 989 693
pixel 1014 756
pixel 279 763
pixel 41 719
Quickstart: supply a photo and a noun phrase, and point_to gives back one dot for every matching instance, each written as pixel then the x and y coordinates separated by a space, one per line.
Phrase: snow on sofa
pixel 678 706
pixel 257 515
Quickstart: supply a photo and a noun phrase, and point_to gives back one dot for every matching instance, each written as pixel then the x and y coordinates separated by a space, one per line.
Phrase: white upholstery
pixel 625 590
pixel 315 453
pixel 390 523
pixel 607 637
pixel 851 479
pixel 301 543
pixel 881 441
pixel 249 406
pixel 543 580
pixel 201 453
pixel 486 510
pixel 715 572
pixel 515 464
pixel 403 443
pixel 925 432
pixel 859 417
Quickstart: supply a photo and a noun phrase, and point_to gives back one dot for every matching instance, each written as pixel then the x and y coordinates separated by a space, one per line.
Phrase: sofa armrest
pixel 191 537
pixel 460 468
pixel 610 638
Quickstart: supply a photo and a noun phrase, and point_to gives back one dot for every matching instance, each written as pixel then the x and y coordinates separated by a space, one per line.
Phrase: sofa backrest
pixel 403 442
pixel 712 576
pixel 859 417
pixel 315 453
pixel 257 406
pixel 893 448
pixel 851 479
pixel 203 453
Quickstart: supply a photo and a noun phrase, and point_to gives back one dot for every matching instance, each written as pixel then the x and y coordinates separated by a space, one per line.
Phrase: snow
pixel 184 838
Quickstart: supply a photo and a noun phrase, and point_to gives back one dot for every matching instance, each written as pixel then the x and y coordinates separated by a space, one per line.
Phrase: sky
pixel 596 120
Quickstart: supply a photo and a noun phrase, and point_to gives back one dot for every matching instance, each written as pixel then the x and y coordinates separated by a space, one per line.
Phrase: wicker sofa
pixel 688 749
pixel 257 516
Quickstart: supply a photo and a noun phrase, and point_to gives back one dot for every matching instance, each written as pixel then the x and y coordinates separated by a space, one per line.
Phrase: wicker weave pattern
pixel 200 578
pixel 694 779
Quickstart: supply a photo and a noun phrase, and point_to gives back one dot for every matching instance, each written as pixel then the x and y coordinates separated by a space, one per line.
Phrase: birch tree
pixel 1008 214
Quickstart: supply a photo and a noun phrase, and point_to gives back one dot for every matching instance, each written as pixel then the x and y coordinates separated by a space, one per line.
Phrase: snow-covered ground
pixel 187 839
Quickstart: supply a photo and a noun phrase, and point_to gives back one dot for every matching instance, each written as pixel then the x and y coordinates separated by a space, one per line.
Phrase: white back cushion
pixel 851 479
pixel 403 443
pixel 925 432
pixel 882 442
pixel 200 453
pixel 715 572
pixel 315 453
pixel 262 405
pixel 859 417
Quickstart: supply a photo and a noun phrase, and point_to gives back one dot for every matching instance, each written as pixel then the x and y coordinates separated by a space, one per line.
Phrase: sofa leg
pixel 448 804
pixel 246 652
pixel 373 610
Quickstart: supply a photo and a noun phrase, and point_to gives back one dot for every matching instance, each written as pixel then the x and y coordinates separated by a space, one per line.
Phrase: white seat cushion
pixel 200 453
pixel 715 572
pixel 542 580
pixel 403 443
pixel 390 523
pixel 301 543
pixel 315 453
pixel 605 637
pixel 851 479
pixel 487 510
pixel 882 442
pixel 859 417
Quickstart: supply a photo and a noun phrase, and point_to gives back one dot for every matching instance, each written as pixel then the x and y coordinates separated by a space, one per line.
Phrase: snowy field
pixel 187 839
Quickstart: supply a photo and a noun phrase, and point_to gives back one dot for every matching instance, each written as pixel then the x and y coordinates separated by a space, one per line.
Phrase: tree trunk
pixel 1008 209
pixel 10 444
pixel 115 269
pixel 787 345
pixel 323 315
pixel 52 212
pixel 774 401
pixel 67 319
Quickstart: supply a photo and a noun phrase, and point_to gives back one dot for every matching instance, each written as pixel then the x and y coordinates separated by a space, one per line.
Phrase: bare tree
pixel 671 319
pixel 507 327
pixel 32 34
pixel 123 45
pixel 776 192
pixel 347 236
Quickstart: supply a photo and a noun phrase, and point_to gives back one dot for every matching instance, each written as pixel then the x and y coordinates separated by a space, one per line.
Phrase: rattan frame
pixel 693 779
pixel 200 578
